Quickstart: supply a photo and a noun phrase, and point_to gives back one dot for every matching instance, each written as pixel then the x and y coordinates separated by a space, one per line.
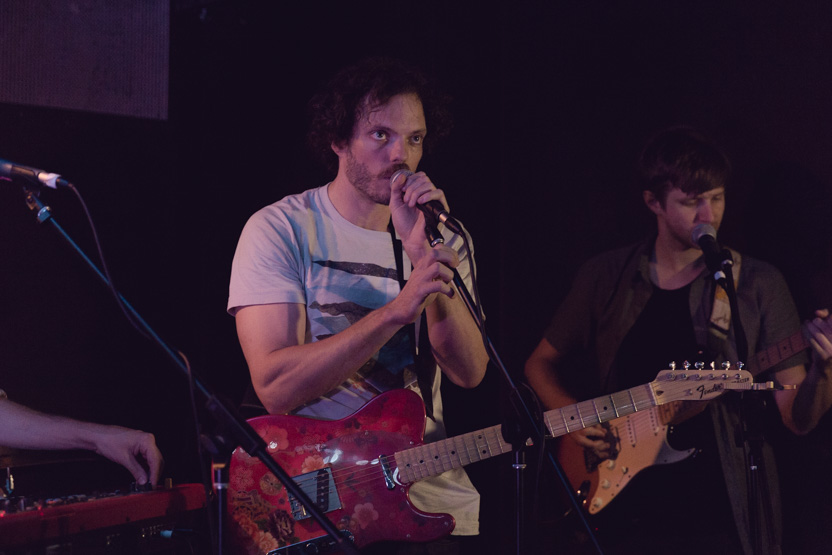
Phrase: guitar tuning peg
pixel 699 365
pixel 686 365
pixel 672 365
pixel 713 365
pixel 726 365
pixel 740 365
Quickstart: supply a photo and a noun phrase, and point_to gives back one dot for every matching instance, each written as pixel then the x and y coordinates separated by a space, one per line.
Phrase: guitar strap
pixel 422 356
pixel 720 321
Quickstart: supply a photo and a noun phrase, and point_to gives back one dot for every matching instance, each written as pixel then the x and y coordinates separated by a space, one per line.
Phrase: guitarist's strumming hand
pixel 819 332
pixel 593 438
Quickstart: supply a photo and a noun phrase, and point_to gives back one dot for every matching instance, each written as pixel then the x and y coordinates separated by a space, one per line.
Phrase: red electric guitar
pixel 358 470
pixel 639 441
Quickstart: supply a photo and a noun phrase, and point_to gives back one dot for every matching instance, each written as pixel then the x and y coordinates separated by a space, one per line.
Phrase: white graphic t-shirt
pixel 301 250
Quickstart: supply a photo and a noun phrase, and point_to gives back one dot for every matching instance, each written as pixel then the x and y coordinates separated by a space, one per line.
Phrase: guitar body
pixel 638 441
pixel 337 464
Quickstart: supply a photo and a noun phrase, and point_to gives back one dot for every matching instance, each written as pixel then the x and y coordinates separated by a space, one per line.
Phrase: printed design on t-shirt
pixel 385 369
pixel 360 268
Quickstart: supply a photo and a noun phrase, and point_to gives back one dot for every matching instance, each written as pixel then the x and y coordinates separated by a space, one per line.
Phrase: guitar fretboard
pixel 437 457
pixel 779 352
pixel 598 410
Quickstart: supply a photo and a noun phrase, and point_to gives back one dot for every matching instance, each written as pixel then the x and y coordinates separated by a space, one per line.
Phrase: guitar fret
pixel 588 420
pixel 580 417
pixel 565 424
pixel 473 449
pixel 650 396
pixel 633 400
pixel 504 446
pixel 467 439
pixel 784 350
pixel 444 456
pixel 497 438
pixel 488 443
pixel 426 460
pixel 571 418
pixel 415 464
pixel 434 462
pixel 622 405
pixel 455 454
pixel 764 359
pixel 462 449
pixel 606 413
pixel 477 437
pixel 485 452
pixel 435 458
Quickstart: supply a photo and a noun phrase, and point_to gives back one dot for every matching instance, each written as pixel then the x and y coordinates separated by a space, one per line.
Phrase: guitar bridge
pixel 319 486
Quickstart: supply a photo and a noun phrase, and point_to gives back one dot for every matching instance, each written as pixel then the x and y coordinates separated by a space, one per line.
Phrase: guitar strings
pixel 359 474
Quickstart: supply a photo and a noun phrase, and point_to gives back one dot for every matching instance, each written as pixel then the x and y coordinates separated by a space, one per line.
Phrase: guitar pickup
pixel 319 486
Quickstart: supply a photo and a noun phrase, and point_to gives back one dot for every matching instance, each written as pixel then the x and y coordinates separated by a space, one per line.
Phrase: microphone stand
pixel 524 425
pixel 234 430
pixel 751 413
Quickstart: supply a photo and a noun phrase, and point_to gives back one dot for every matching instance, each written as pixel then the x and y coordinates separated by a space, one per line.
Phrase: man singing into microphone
pixel 336 292
pixel 634 310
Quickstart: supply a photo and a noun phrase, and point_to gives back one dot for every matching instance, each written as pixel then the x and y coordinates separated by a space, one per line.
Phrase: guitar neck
pixel 779 352
pixel 601 409
pixel 437 457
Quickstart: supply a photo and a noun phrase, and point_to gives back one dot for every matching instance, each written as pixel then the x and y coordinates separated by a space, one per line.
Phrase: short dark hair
pixel 683 158
pixel 335 110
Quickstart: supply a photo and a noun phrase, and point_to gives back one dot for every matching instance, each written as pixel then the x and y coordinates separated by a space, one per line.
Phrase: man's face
pixel 385 139
pixel 682 212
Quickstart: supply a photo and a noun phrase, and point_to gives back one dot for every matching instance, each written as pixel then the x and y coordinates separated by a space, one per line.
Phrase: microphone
pixel 432 208
pixel 35 176
pixel 718 260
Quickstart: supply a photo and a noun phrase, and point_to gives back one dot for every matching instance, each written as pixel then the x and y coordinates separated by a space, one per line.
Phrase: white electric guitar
pixel 639 441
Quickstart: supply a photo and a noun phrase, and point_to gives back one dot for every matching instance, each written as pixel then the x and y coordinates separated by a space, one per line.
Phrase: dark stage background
pixel 552 101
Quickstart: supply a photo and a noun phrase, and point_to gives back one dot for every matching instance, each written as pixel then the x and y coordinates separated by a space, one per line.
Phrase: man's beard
pixel 359 175
pixel 361 178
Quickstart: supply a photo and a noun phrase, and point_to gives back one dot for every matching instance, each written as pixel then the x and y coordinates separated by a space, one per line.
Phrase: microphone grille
pixel 701 230
pixel 406 173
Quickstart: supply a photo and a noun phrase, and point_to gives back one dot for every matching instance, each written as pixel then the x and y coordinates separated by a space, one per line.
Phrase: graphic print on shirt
pixel 358 285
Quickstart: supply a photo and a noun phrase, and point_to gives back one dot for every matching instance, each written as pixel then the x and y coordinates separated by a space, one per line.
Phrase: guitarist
pixel 336 292
pixel 632 311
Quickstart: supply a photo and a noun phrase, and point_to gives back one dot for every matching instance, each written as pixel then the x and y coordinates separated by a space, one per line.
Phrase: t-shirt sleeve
pixel 267 266
pixel 571 326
